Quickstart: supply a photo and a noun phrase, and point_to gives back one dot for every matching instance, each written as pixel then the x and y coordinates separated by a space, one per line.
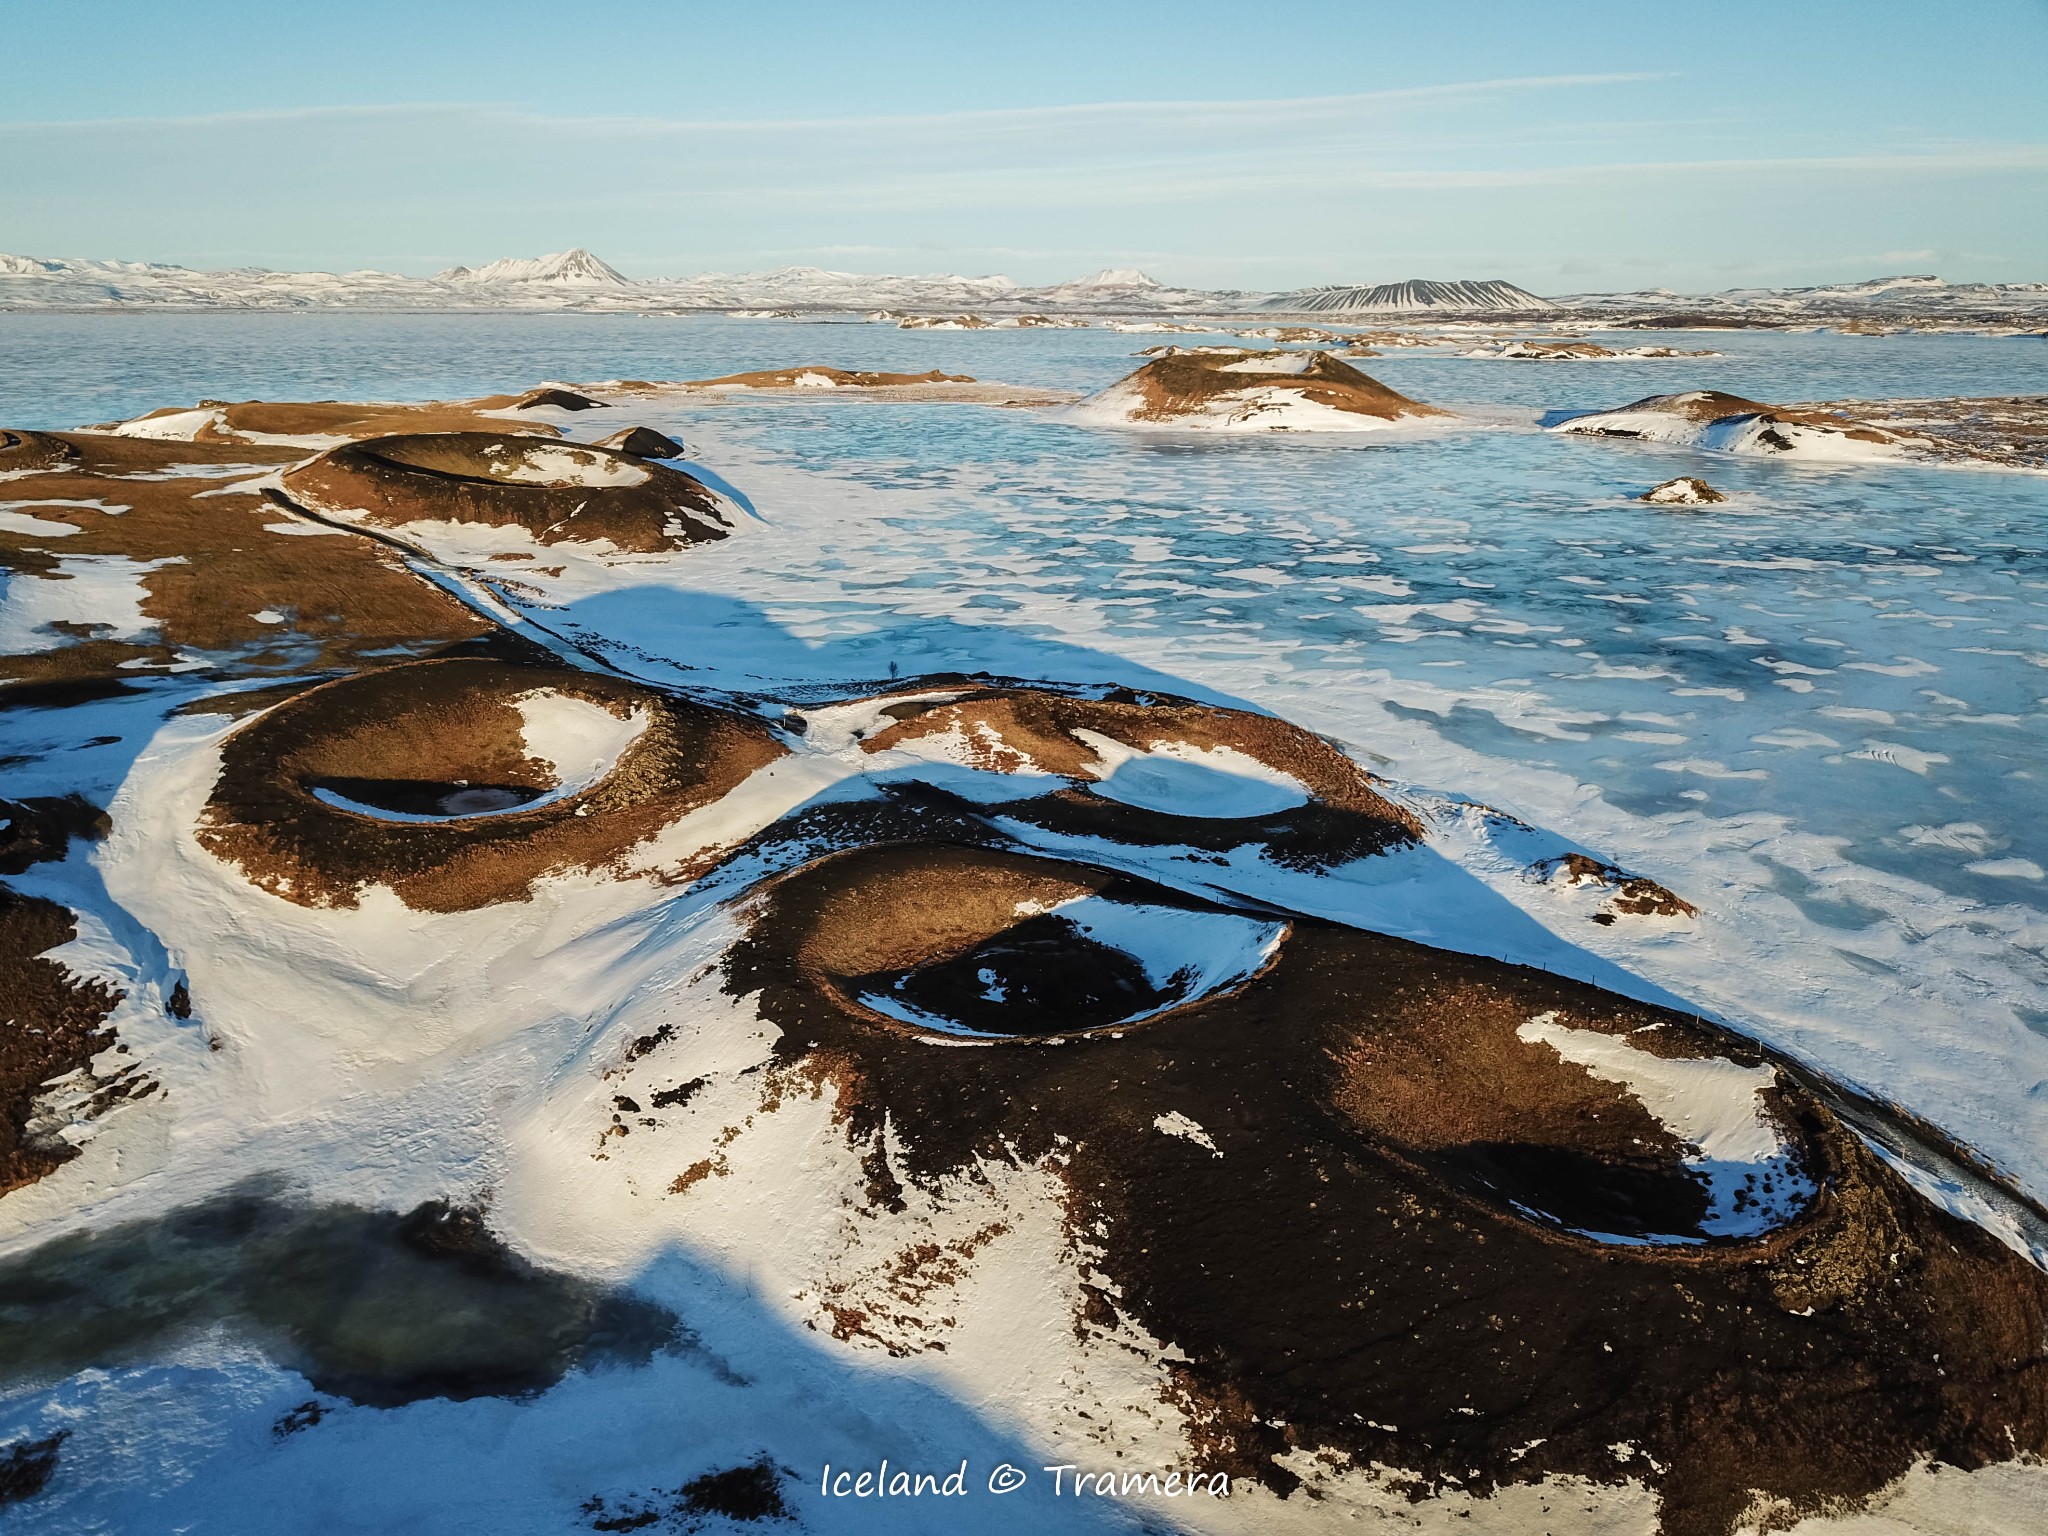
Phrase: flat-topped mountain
pixel 1416 294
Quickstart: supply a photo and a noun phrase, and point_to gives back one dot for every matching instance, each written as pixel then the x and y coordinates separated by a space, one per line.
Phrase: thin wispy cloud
pixel 1272 111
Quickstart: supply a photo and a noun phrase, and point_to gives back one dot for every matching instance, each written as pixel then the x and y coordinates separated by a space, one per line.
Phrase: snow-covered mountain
pixel 578 280
pixel 1919 295
pixel 565 269
pixel 575 279
pixel 1418 295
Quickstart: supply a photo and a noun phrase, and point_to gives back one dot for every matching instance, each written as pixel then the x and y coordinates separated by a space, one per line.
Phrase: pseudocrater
pixel 1657 1134
pixel 1145 770
pixel 975 944
pixel 557 492
pixel 1229 390
pixel 570 743
pixel 1524 1221
pixel 458 782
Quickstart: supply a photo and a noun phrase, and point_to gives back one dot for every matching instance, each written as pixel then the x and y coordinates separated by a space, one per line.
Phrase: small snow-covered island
pixel 1306 804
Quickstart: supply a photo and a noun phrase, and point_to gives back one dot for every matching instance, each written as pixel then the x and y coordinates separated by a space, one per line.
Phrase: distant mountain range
pixel 578 280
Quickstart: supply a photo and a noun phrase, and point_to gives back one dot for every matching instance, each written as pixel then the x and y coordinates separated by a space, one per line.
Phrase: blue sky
pixel 1565 147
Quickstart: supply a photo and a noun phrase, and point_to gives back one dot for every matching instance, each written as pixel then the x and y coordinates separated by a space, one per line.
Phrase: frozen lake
pixel 1818 710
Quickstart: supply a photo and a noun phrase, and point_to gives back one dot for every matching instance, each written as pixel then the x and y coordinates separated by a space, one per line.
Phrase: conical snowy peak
pixel 568 269
pixel 1116 277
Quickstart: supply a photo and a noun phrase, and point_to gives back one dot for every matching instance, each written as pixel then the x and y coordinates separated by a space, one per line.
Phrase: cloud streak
pixel 1263 111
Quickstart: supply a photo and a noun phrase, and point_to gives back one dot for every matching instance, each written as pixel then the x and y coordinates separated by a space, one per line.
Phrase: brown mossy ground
pixel 843 378
pixel 467 477
pixel 51 1023
pixel 1183 383
pixel 439 724
pixel 340 597
pixel 1338 1280
pixel 1023 729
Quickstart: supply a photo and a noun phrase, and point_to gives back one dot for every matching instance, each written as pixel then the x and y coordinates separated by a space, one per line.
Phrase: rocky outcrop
pixel 1685 491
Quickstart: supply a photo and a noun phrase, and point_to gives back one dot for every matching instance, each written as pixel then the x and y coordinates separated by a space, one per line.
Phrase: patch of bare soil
pixel 1701 405
pixel 1561 351
pixel 1032 730
pixel 445 740
pixel 52 1023
pixel 1182 383
pixel 1385 1141
pixel 557 492
pixel 2007 429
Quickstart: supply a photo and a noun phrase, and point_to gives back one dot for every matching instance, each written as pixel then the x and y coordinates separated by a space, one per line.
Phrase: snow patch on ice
pixel 101 592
